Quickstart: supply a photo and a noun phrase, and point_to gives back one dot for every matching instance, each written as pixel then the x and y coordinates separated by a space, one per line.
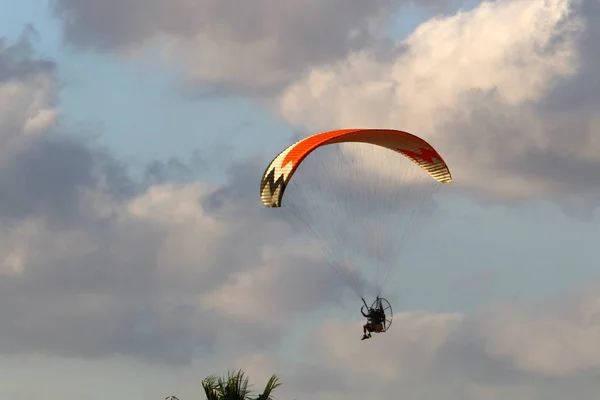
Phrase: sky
pixel 136 257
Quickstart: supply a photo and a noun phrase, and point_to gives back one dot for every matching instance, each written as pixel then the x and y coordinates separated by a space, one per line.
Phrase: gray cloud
pixel 580 93
pixel 17 61
pixel 94 263
pixel 46 177
pixel 95 285
pixel 227 45
pixel 507 350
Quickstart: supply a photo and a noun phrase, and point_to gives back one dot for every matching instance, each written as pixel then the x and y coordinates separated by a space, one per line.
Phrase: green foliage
pixel 236 386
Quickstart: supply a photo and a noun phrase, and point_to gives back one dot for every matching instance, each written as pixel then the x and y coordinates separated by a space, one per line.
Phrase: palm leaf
pixel 210 388
pixel 235 387
pixel 272 384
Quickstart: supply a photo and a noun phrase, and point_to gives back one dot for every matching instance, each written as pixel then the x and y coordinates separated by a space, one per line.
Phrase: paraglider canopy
pixel 281 169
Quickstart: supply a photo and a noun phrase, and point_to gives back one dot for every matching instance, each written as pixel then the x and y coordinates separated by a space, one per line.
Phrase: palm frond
pixel 272 384
pixel 210 387
pixel 236 386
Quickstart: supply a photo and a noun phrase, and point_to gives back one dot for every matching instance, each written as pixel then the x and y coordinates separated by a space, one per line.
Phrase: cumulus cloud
pixel 153 276
pixel 544 351
pixel 27 101
pixel 229 45
pixel 94 263
pixel 491 88
pixel 547 351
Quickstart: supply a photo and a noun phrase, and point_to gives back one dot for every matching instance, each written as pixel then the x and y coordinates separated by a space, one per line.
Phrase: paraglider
pixel 370 191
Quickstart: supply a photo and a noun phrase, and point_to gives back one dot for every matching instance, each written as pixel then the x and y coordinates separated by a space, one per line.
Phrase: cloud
pixel 228 45
pixel 526 352
pixel 27 101
pixel 547 351
pixel 154 276
pixel 492 89
pixel 94 263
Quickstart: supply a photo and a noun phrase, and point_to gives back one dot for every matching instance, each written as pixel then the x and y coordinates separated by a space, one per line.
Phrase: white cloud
pixel 455 356
pixel 26 108
pixel 474 85
pixel 557 342
pixel 190 235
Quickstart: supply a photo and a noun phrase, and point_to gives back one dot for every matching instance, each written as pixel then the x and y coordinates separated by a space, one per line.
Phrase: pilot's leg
pixel 365 336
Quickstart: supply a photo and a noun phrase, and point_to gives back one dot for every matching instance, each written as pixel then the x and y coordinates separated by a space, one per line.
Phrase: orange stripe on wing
pixel 310 143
